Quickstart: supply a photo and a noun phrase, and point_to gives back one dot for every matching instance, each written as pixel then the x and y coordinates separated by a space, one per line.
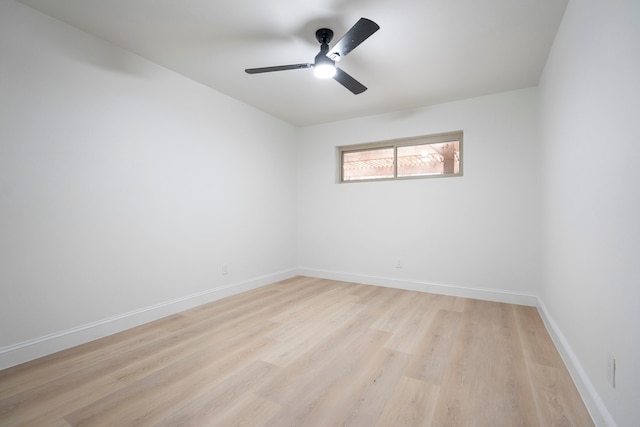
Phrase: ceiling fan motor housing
pixel 324 36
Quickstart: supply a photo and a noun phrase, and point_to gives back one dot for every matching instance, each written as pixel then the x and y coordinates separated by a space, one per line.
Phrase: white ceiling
pixel 426 51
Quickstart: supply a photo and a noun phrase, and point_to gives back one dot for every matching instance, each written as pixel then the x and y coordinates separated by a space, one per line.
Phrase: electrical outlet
pixel 611 370
pixel 225 268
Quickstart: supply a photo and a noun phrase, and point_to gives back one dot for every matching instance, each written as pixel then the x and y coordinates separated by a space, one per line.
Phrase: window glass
pixel 424 156
pixel 429 159
pixel 367 164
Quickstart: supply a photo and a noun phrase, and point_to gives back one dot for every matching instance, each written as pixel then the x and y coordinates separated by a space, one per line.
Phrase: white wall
pixel 479 231
pixel 590 97
pixel 124 185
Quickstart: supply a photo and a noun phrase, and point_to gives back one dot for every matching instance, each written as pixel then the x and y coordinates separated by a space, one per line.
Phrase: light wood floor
pixel 308 352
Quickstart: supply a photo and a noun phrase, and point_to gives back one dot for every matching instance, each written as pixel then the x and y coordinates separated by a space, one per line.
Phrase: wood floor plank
pixel 412 404
pixel 158 389
pixel 308 307
pixel 381 301
pixel 312 352
pixel 335 355
pixel 486 382
pixel 447 302
pixel 51 381
pixel 221 312
pixel 395 311
pixel 551 382
pixel 554 392
pixel 32 375
pixel 433 353
pixel 304 335
pixel 319 309
pixel 56 423
pixel 373 382
pixel 536 342
pixel 155 397
pixel 184 345
pixel 203 409
pixel 60 400
pixel 414 321
pixel 250 410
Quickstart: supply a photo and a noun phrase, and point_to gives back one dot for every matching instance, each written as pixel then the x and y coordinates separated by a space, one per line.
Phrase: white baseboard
pixel 497 295
pixel 590 396
pixel 42 346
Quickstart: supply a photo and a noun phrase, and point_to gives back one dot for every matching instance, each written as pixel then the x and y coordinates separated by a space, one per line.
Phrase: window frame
pixel 440 138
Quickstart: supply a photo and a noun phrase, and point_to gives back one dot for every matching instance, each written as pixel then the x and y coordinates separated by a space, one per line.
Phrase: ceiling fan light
pixel 324 71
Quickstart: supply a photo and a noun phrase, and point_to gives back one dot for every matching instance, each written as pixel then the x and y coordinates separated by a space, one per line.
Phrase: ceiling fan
pixel 324 65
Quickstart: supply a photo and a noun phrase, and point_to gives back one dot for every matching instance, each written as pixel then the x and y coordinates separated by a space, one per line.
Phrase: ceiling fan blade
pixel 278 68
pixel 352 38
pixel 349 82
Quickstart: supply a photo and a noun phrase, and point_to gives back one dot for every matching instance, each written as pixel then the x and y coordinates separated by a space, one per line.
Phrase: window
pixel 420 157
